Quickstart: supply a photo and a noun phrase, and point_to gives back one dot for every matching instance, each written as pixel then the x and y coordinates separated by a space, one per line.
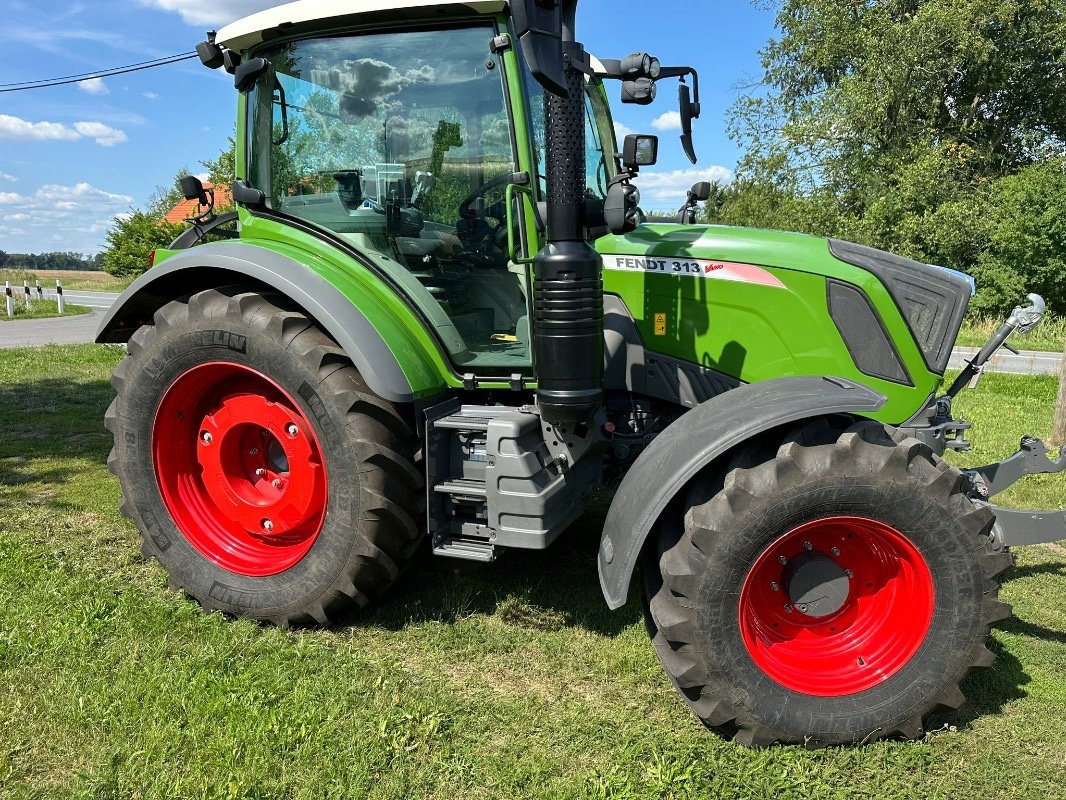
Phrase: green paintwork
pixel 757 332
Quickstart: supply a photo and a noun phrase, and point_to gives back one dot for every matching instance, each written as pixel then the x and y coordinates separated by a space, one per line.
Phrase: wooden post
pixel 1058 428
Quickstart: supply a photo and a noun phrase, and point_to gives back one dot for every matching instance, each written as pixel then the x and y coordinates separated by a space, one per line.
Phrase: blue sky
pixel 74 157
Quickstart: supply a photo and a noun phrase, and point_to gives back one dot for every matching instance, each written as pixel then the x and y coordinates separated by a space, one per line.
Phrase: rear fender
pixel 210 266
pixel 702 435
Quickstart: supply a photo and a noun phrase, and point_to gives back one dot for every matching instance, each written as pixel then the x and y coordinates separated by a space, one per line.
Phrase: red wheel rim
pixel 881 583
pixel 239 468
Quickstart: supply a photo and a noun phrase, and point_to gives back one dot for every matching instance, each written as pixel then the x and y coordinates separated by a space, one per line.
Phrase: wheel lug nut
pixel 782 560
pixel 788 608
pixel 835 551
pixel 808 546
pixel 254 451
pixel 277 483
pixel 774 587
pixel 259 473
pixel 849 573
pixel 267 525
pixel 206 437
pixel 292 430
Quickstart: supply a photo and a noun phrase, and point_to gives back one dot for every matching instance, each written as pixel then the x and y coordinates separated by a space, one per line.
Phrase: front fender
pixel 213 265
pixel 694 441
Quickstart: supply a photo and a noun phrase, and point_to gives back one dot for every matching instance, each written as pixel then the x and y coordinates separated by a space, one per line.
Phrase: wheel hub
pixel 817 585
pixel 836 606
pixel 239 468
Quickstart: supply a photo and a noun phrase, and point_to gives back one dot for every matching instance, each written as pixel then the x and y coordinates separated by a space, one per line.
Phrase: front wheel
pixel 836 592
pixel 263 473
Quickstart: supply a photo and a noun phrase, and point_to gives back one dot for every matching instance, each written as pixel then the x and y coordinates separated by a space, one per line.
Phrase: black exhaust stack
pixel 567 280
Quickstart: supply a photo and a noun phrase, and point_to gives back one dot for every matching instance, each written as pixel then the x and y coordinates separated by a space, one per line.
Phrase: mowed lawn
pixel 510 680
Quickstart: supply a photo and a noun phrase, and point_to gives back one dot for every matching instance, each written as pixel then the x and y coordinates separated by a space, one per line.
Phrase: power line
pixel 85 76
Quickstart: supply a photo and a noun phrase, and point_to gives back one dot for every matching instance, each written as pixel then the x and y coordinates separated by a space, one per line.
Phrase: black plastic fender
pixel 693 442
pixel 212 265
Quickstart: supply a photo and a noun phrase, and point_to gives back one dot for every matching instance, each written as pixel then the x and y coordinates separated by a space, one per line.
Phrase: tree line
pixel 51 261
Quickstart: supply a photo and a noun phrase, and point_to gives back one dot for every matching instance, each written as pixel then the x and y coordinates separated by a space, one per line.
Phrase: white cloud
pixel 16 128
pixel 621 130
pixel 80 215
pixel 670 121
pixel 103 135
pixel 8 178
pixel 211 12
pixel 674 184
pixel 20 129
pixel 150 95
pixel 94 86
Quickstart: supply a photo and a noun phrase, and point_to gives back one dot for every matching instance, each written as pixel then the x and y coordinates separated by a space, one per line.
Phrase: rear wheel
pixel 837 591
pixel 263 474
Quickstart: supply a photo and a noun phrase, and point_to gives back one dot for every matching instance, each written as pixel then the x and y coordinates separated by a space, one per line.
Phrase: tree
pixel 133 238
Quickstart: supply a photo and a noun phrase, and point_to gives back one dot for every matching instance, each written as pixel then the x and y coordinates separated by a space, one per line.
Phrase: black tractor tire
pixel 348 504
pixel 719 603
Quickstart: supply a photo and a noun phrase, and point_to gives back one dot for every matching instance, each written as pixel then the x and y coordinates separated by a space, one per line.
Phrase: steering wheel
pixel 466 208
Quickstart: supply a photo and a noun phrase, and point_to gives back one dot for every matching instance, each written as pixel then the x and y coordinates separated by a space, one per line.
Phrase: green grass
pixel 510 680
pixel 1049 337
pixel 41 309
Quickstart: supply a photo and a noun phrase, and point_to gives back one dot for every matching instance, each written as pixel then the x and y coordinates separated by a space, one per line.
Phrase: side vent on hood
pixel 933 301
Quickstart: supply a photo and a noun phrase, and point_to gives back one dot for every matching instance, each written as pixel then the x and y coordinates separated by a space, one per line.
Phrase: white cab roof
pixel 248 32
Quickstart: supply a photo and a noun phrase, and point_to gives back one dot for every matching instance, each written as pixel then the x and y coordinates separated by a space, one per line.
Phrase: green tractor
pixel 439 319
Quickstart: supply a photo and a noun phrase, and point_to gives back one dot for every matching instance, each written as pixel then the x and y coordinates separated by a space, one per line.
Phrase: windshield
pixel 401 145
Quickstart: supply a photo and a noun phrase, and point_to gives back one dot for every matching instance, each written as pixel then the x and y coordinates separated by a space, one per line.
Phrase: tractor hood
pixel 932 300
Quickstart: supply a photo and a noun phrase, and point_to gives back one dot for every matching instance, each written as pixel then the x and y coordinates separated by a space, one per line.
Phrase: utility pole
pixel 1058 428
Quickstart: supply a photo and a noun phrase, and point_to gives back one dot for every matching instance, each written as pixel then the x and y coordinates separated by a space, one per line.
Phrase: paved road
pixel 82 328
pixel 60 330
pixel 1026 363
pixel 101 300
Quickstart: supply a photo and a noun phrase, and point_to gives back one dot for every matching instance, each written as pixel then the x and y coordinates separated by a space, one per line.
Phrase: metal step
pixel 463 422
pixel 466 549
pixel 462 487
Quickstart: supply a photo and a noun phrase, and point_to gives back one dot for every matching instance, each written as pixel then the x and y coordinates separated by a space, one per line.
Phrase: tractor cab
pixel 421 147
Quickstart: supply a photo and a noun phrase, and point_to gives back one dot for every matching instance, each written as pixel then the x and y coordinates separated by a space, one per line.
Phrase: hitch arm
pixel 1031 459
pixel 1019 528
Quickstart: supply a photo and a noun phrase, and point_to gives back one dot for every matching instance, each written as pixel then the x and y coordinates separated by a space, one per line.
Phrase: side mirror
pixel 640 151
pixel 192 188
pixel 689 111
pixel 245 75
pixel 700 192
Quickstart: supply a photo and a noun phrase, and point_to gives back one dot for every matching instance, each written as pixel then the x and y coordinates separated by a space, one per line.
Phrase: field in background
pixel 72 279
pixel 507 680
